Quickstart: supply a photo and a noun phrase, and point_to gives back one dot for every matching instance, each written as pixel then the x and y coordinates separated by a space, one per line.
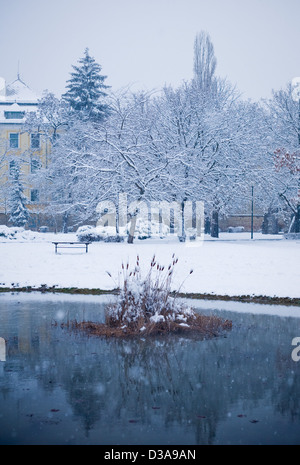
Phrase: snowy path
pixel 259 267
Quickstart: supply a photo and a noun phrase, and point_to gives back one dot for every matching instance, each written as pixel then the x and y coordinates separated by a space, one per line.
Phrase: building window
pixel 14 114
pixel 12 167
pixel 35 141
pixel 14 140
pixel 35 165
pixel 34 195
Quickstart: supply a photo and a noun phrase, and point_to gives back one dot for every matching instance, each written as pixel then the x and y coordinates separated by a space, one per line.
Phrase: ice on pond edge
pixel 198 304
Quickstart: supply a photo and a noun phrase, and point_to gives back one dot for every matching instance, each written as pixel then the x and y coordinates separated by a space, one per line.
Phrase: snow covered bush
pixel 15 233
pixel 95 234
pixel 10 233
pixel 145 229
pixel 4 231
pixel 146 305
pixel 234 229
pixel 88 233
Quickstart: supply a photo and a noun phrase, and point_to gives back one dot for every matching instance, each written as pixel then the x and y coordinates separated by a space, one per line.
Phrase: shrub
pixel 147 305
pixel 146 229
pixel 143 230
pixel 10 233
pixel 95 234
pixel 235 229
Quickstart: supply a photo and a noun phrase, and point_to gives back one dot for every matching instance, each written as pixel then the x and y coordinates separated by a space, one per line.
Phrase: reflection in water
pixel 60 387
pixel 2 350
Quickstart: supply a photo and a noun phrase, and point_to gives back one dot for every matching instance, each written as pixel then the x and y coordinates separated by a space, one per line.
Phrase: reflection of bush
pixel 163 383
pixel 169 381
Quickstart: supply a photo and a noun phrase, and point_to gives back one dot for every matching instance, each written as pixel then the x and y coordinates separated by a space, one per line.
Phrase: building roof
pixel 19 92
pixel 16 98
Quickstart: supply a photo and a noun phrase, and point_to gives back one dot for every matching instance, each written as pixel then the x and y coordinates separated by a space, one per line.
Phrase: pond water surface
pixel 57 387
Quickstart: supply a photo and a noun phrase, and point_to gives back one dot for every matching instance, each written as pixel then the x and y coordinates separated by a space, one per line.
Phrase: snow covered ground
pixel 231 265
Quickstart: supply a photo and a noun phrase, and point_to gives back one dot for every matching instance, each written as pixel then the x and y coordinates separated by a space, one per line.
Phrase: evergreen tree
pixel 86 90
pixel 19 214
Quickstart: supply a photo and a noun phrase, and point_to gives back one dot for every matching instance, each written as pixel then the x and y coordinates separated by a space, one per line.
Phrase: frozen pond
pixel 57 387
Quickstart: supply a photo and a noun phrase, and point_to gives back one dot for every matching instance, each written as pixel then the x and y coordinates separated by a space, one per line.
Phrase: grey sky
pixel 149 43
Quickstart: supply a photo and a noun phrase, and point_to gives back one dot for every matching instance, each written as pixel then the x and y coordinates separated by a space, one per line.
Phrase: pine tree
pixel 19 214
pixel 86 90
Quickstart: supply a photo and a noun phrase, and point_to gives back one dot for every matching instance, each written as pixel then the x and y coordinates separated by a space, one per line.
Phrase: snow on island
pixel 147 306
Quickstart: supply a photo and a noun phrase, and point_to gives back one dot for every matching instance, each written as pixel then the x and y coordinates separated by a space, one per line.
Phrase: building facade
pixel 20 148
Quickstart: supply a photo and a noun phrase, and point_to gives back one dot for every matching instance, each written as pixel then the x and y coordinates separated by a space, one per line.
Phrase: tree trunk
pixel 265 224
pixel 297 220
pixel 207 225
pixel 65 223
pixel 214 226
pixel 132 229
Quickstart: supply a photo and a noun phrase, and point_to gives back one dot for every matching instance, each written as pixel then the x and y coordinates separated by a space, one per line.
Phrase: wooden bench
pixel 68 245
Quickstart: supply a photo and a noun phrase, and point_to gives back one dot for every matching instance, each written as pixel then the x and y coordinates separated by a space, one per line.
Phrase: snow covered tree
pixel 284 148
pixel 86 90
pixel 91 163
pixel 210 145
pixel 19 214
pixel 80 173
pixel 199 142
pixel 132 141
pixel 51 117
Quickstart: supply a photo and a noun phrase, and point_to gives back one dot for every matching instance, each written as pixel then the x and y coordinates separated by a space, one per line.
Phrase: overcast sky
pixel 149 43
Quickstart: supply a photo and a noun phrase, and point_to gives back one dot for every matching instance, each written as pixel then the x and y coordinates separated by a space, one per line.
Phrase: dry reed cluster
pixel 147 306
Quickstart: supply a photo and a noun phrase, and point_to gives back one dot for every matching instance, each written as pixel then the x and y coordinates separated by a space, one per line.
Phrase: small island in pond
pixel 147 306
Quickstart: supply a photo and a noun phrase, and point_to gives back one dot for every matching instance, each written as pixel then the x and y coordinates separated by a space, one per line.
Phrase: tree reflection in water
pixel 165 389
